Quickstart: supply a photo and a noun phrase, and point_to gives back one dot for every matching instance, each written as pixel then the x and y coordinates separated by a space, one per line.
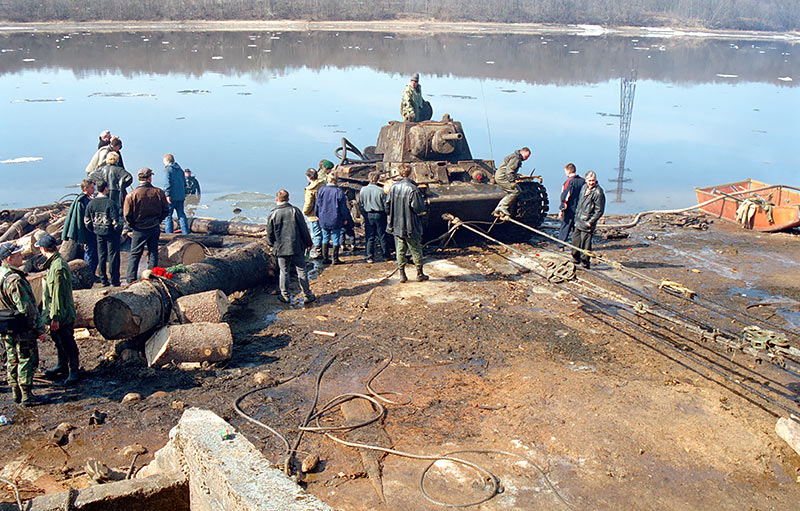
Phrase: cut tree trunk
pixel 192 342
pixel 213 226
pixel 207 240
pixel 28 241
pixel 145 305
pixel 181 251
pixel 27 223
pixel 56 226
pixel 82 278
pixel 70 250
pixel 207 307
pixel 85 300
pixel 12 215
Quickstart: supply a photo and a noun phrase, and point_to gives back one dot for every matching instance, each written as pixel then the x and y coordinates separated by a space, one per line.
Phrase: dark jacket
pixel 590 208
pixel 372 199
pixel 74 227
pixel 405 204
pixel 287 231
pixel 145 207
pixel 507 172
pixel 174 182
pixel 331 207
pixel 103 216
pixel 192 186
pixel 17 295
pixel 118 180
pixel 569 195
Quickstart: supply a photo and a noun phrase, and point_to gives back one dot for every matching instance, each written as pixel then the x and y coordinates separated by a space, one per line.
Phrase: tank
pixel 451 180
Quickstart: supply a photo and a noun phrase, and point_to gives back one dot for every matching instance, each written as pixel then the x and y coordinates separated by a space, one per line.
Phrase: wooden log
pixel 4 227
pixel 207 240
pixel 27 223
pixel 85 300
pixel 145 305
pixel 27 242
pixel 56 226
pixel 192 342
pixel 213 226
pixel 206 307
pixel 12 215
pixel 82 278
pixel 70 250
pixel 181 251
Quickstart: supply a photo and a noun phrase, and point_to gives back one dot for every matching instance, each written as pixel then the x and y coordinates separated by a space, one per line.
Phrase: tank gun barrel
pixel 452 136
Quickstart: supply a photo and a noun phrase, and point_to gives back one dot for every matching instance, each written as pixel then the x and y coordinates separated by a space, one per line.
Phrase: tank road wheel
pixel 532 204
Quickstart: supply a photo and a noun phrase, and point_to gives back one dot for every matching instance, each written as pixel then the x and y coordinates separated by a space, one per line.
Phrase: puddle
pixel 786 307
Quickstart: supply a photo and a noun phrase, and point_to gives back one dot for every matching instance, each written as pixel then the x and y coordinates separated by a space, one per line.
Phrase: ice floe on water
pixel 28 60
pixel 785 78
pixel 194 91
pixel 216 57
pixel 41 100
pixel 23 159
pixel 592 30
pixel 722 75
pixel 121 95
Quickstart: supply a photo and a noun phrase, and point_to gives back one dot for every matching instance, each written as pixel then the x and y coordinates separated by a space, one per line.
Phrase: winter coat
pixel 507 172
pixel 310 199
pixel 590 208
pixel 372 199
pixel 174 182
pixel 57 303
pixel 74 227
pixel 405 204
pixel 118 180
pixel 331 207
pixel 103 216
pixel 145 207
pixel 569 195
pixel 287 231
pixel 192 186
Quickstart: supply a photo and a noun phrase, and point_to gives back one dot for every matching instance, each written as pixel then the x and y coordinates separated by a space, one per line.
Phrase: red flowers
pixel 161 272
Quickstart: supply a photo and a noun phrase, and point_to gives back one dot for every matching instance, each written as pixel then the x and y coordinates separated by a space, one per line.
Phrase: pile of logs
pixel 182 317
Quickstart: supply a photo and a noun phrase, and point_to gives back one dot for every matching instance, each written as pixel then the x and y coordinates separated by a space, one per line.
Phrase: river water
pixel 248 112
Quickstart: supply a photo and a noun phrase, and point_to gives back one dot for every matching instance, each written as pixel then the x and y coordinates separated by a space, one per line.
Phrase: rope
pixel 16 491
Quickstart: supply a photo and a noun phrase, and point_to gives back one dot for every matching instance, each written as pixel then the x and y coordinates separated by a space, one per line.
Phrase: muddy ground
pixel 491 357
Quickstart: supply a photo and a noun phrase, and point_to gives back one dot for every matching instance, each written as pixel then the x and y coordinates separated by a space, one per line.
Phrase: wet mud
pixel 490 357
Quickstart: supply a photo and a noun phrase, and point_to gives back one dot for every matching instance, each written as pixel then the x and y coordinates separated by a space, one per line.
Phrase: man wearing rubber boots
pixel 58 310
pixel 20 326
pixel 404 205
pixel 506 177
pixel 591 205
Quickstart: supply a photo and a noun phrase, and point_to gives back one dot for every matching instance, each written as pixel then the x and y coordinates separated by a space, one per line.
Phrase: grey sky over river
pixel 250 111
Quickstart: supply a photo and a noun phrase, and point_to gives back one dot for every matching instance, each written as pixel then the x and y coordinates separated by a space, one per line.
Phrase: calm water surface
pixel 249 112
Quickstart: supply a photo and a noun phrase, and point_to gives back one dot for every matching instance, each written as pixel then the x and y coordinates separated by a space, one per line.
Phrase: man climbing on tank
pixel 413 107
pixel 506 177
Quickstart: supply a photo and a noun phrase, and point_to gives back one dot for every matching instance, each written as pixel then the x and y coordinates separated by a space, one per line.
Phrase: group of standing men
pixel 397 213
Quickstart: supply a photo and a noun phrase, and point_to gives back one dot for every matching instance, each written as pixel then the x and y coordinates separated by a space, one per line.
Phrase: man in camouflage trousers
pixel 19 338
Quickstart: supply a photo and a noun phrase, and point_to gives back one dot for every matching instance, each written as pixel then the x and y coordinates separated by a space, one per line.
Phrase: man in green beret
pixel 325 166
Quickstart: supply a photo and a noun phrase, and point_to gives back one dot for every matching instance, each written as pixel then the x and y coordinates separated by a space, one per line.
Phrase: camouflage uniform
pixel 21 348
pixel 412 103
pixel 506 177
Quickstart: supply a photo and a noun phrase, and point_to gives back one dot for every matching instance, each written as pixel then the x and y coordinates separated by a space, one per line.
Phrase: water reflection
pixel 249 112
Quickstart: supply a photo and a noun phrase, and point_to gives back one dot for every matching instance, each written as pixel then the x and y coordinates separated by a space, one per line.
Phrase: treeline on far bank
pixel 779 15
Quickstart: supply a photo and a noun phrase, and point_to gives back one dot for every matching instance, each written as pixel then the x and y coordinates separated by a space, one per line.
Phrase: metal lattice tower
pixel 627 89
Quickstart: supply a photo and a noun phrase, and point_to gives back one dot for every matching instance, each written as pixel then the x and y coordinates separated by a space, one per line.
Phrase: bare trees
pixel 731 14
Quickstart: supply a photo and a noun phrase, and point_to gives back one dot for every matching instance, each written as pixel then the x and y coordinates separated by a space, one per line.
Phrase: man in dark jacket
pixel 145 208
pixel 175 190
pixel 117 178
pixel 75 228
pixel 333 215
pixel 104 218
pixel 372 203
pixel 591 205
pixel 404 205
pixel 506 177
pixel 192 184
pixel 569 200
pixel 289 237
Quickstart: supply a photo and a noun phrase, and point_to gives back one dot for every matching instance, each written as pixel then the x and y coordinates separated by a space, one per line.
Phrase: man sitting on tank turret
pixel 413 107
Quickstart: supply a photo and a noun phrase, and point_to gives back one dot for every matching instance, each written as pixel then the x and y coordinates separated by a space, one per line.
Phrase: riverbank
pixel 491 356
pixel 398 26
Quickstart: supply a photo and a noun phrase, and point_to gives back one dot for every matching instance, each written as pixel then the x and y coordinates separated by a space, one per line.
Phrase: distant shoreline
pixel 397 26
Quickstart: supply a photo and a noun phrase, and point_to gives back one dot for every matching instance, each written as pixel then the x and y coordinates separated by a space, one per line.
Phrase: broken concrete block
pixel 789 431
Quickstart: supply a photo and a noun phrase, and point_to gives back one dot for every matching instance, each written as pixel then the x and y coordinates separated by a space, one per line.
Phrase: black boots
pixel 403 276
pixel 17 393
pixel 325 249
pixel 74 372
pixel 421 277
pixel 60 368
pixel 336 259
